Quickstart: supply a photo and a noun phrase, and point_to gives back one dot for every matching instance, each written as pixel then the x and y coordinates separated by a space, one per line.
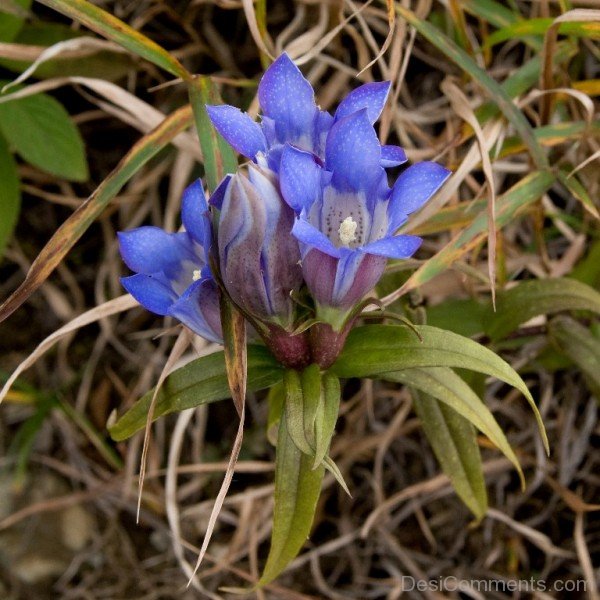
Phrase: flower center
pixel 196 275
pixel 347 231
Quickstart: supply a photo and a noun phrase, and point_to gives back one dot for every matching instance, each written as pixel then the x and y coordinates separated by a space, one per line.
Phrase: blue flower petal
pixel 412 189
pixel 198 309
pixel 238 128
pixel 401 246
pixel 371 96
pixel 288 98
pixel 216 198
pixel 313 238
pixel 150 250
pixel 299 178
pixel 392 156
pixel 353 153
pixel 194 213
pixel 150 293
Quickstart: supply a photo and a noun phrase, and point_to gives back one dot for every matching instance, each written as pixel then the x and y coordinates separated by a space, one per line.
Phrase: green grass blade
pixel 114 29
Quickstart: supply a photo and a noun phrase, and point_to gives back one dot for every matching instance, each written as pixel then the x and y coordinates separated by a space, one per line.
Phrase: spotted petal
pixel 371 96
pixel 151 293
pixel 300 178
pixel 401 246
pixel 353 153
pixel 238 128
pixel 287 98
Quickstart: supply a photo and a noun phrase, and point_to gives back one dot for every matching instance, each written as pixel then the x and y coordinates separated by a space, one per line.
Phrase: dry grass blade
pixel 80 47
pixel 391 15
pixel 585 560
pixel 250 13
pixel 550 39
pixel 74 227
pixel 112 307
pixel 183 341
pixel 464 111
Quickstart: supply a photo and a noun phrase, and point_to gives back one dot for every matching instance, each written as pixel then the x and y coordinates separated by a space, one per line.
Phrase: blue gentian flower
pixel 291 116
pixel 172 276
pixel 258 256
pixel 347 216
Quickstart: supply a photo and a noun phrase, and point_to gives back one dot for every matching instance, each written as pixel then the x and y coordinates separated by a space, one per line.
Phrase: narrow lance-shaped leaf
pixel 114 29
pixel 201 381
pixel 454 443
pixel 375 349
pixel 326 417
pixel 447 387
pixel 581 346
pixel 538 297
pixel 297 490
pixel 75 226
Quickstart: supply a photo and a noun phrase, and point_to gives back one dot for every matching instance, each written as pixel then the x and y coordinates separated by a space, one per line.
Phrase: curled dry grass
pixel 403 518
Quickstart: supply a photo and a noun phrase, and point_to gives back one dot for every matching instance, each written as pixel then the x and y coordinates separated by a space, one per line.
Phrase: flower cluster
pixel 301 234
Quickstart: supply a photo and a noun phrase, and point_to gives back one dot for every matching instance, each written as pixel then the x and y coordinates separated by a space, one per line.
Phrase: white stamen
pixel 196 275
pixel 347 231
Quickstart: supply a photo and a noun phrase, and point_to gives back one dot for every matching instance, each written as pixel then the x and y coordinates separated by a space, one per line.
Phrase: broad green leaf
pixel 446 386
pixel 219 157
pixel 202 381
pixel 522 194
pixel 454 443
pixel 494 90
pixel 297 490
pixel 375 349
pixel 581 346
pixel 102 64
pixel 75 226
pixel 538 297
pixel 12 17
pixel 42 132
pixel 114 29
pixel 326 418
pixel 10 195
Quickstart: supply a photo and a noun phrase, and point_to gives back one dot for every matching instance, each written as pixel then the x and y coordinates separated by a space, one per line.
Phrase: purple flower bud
pixel 259 258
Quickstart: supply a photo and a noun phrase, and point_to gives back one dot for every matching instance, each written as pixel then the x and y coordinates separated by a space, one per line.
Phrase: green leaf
pixel 75 226
pixel 295 409
pixel 578 190
pixel 454 443
pixel 219 157
pixel 297 490
pixel 12 13
pixel 10 195
pixel 372 350
pixel 446 386
pixel 201 381
pixel 326 417
pixel 581 346
pixel 538 297
pixel 42 132
pixel 114 29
